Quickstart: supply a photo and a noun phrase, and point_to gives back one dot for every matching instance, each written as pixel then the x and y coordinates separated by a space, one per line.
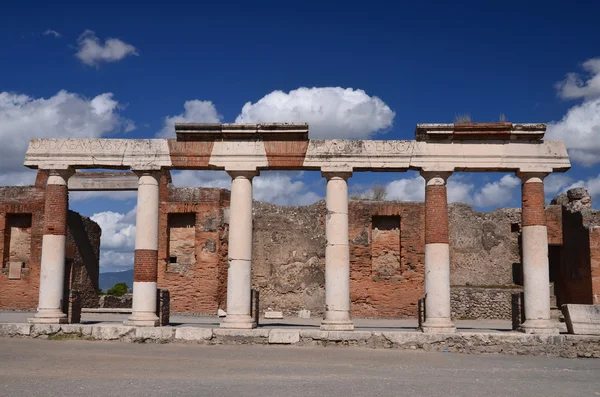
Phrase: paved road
pixel 82 368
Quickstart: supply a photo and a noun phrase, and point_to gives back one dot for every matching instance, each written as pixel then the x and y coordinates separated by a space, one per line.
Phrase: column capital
pixel 336 174
pixel 436 178
pixel 59 176
pixel 243 174
pixel 153 173
pixel 532 177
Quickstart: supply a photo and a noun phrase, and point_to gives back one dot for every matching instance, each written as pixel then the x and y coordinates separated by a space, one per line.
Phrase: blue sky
pixel 62 75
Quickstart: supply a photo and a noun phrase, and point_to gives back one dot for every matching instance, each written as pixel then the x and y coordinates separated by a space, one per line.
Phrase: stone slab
pixel 284 336
pixel 582 319
pixel 304 314
pixel 44 329
pixel 273 314
pixel 193 334
pixel 154 333
pixel 19 329
pixel 14 270
pixel 242 333
pixel 112 332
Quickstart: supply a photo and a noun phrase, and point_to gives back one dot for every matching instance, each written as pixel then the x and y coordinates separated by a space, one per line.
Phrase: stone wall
pixel 484 246
pixel 480 302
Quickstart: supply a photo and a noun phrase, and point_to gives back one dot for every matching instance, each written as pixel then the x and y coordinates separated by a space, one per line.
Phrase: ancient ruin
pixel 379 258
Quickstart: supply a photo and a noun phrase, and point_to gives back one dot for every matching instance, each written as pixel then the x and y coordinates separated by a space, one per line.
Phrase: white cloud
pixel 92 52
pixel 64 115
pixel 555 184
pixel 118 230
pixel 580 127
pixel 489 195
pixel 113 261
pixel 281 188
pixel 574 87
pixel 580 130
pixel 332 112
pixel 195 111
pixel 50 32
pixel 496 193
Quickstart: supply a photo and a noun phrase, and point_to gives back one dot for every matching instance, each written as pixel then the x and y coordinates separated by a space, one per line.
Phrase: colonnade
pixel 337 255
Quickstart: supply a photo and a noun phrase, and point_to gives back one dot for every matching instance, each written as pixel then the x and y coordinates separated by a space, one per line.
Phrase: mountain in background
pixel 108 280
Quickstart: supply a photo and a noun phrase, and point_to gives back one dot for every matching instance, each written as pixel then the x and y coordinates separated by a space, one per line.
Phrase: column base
pixel 539 327
pixel 337 325
pixel 438 326
pixel 236 321
pixel 48 316
pixel 142 319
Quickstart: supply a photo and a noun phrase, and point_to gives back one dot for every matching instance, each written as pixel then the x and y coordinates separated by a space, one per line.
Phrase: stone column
pixel 239 273
pixel 536 272
pixel 52 271
pixel 437 254
pixel 337 255
pixel 145 262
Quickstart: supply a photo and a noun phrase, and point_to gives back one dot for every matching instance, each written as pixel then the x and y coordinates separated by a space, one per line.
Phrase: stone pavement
pixel 378 334
pixel 399 325
pixel 33 368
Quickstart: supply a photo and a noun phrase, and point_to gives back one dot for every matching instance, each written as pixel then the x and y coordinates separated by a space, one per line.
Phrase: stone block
pixel 242 333
pixel 111 332
pixel 14 270
pixel 582 319
pixel 272 314
pixel 15 329
pixel 71 329
pixel 44 329
pixel 154 333
pixel 349 335
pixel 284 336
pixel 315 334
pixel 304 314
pixel 193 333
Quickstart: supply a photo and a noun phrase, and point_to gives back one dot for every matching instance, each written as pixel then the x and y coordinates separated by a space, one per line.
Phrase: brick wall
pixel 391 291
pixel 19 202
pixel 197 282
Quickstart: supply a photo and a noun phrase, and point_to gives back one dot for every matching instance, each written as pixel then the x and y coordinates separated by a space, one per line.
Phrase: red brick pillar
pixel 536 273
pixel 437 254
pixel 145 262
pixel 52 269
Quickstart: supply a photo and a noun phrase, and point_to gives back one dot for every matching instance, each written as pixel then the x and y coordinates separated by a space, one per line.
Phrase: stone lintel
pixel 231 131
pixel 500 131
pixel 103 181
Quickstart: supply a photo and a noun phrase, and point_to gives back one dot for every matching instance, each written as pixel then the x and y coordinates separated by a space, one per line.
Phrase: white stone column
pixel 239 273
pixel 536 272
pixel 337 255
pixel 52 267
pixel 437 255
pixel 145 266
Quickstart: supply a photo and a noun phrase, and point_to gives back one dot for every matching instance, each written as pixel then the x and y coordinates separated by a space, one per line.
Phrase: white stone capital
pixel 532 177
pixel 436 178
pixel 243 174
pixel 345 175
pixel 59 176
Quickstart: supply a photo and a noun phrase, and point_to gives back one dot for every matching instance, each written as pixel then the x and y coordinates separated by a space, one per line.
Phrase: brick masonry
pixel 82 250
pixel 436 214
pixel 144 265
pixel 533 204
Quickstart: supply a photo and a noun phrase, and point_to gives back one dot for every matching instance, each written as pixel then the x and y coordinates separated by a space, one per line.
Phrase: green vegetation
pixel 119 289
